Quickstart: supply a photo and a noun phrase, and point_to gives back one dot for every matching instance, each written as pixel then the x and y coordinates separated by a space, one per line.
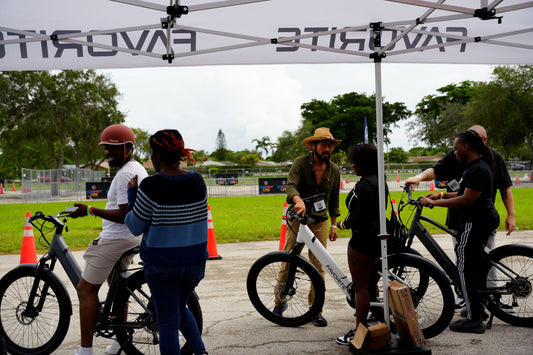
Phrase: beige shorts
pixel 102 254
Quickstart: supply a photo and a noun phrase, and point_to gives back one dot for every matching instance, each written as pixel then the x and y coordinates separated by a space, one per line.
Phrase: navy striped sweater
pixel 171 211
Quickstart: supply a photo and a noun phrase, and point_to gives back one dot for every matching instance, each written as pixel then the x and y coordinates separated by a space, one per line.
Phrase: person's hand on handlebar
pixel 80 211
pixel 426 201
pixel 413 180
pixel 434 196
pixel 299 207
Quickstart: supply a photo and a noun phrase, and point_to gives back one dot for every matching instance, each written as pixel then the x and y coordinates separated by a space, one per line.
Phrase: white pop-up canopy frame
pixel 75 34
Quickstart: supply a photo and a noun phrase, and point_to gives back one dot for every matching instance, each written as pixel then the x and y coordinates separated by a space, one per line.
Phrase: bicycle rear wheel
pixel 510 290
pixel 430 289
pixel 140 336
pixel 263 289
pixel 41 327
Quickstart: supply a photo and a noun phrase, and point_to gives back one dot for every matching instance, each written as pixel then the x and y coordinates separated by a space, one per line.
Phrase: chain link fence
pixel 57 184
pixel 70 184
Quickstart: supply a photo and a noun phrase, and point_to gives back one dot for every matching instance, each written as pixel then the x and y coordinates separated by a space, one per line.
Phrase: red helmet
pixel 117 134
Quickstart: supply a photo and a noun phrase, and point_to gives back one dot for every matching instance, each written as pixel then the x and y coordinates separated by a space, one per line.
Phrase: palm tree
pixel 262 144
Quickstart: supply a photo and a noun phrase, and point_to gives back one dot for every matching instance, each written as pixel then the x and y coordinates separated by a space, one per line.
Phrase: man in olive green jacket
pixel 310 175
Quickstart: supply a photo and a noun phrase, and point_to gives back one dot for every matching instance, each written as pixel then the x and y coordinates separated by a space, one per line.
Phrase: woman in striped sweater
pixel 170 210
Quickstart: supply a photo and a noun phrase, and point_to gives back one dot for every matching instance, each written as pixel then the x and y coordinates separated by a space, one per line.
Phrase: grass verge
pixel 235 219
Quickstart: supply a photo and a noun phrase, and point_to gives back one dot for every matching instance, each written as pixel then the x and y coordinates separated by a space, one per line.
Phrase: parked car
pixel 518 167
pixel 61 179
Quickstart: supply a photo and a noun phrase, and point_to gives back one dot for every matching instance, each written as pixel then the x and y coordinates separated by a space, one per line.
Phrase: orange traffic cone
pixel 342 185
pixel 398 177
pixel 517 179
pixel 1 188
pixel 211 240
pixel 432 186
pixel 28 253
pixel 283 227
pixel 393 208
pixel 14 188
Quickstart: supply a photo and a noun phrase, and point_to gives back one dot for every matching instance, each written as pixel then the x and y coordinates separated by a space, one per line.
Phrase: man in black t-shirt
pixel 450 169
pixel 478 218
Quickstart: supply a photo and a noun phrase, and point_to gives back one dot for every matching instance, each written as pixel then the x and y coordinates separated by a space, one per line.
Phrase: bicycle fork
pixel 32 311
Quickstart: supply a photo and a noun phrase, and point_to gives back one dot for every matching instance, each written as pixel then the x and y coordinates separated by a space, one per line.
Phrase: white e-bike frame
pixel 307 237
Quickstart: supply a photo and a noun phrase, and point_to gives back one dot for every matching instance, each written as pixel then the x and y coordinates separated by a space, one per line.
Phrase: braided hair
pixel 170 146
pixel 475 142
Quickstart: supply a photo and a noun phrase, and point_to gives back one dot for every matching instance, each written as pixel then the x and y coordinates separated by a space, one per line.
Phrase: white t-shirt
pixel 118 195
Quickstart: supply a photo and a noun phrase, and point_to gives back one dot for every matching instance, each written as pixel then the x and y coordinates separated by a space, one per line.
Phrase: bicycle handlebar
pixel 408 188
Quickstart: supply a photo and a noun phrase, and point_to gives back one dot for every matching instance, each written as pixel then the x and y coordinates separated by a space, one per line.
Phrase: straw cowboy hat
pixel 321 134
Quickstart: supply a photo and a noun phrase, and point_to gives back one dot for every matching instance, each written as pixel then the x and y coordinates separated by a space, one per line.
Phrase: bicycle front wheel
pixel 265 292
pixel 510 288
pixel 138 334
pixel 430 289
pixel 38 328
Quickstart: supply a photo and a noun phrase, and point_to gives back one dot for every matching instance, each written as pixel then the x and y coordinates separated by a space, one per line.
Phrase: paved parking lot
pixel 232 326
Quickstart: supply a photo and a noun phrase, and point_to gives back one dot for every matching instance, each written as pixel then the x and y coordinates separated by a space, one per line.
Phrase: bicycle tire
pixel 430 289
pixel 516 291
pixel 262 282
pixel 43 331
pixel 143 336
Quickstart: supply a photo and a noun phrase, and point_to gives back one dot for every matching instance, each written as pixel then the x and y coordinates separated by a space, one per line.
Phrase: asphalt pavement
pixel 233 326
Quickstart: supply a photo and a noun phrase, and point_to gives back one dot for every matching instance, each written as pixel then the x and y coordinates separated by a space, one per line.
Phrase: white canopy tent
pixel 75 34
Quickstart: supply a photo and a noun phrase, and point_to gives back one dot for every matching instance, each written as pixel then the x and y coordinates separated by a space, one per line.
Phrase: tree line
pixel 49 119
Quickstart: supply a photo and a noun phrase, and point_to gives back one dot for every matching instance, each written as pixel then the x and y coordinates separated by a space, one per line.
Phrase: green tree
pixel 441 117
pixel 142 145
pixel 220 147
pixel 289 145
pixel 397 155
pixel 199 156
pixel 44 113
pixel 249 159
pixel 263 144
pixel 345 116
pixel 504 106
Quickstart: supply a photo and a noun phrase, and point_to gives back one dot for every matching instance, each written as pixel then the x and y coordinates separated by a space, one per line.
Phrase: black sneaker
pixel 464 312
pixel 346 338
pixel 320 321
pixel 468 326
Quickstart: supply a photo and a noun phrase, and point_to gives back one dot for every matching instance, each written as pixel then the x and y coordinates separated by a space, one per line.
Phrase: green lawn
pixel 235 219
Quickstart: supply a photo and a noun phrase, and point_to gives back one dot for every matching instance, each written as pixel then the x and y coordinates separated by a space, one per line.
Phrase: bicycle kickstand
pixel 489 323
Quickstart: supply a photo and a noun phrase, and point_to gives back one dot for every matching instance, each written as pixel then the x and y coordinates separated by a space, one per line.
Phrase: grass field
pixel 235 219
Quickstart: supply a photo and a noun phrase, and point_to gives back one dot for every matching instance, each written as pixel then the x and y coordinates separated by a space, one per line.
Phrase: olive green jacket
pixel 302 182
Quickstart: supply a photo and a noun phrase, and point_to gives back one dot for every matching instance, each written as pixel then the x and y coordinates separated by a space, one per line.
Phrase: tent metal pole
pixel 381 190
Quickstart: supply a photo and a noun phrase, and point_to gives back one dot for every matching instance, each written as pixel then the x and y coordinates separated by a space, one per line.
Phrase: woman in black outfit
pixel 363 219
pixel 478 219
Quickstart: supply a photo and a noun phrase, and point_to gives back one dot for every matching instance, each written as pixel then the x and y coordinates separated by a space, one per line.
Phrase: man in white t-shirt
pixel 115 238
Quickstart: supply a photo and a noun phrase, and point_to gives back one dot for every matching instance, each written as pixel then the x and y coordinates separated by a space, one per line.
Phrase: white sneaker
pixel 86 351
pixel 113 348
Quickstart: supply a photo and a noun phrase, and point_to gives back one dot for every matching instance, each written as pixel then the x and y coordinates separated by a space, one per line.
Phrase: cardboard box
pixel 371 335
pixel 404 315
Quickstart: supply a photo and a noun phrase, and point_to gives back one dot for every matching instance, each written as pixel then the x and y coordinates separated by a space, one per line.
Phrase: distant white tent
pixel 212 163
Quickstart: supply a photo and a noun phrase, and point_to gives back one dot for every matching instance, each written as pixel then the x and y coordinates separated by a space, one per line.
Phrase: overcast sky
pixel 249 102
